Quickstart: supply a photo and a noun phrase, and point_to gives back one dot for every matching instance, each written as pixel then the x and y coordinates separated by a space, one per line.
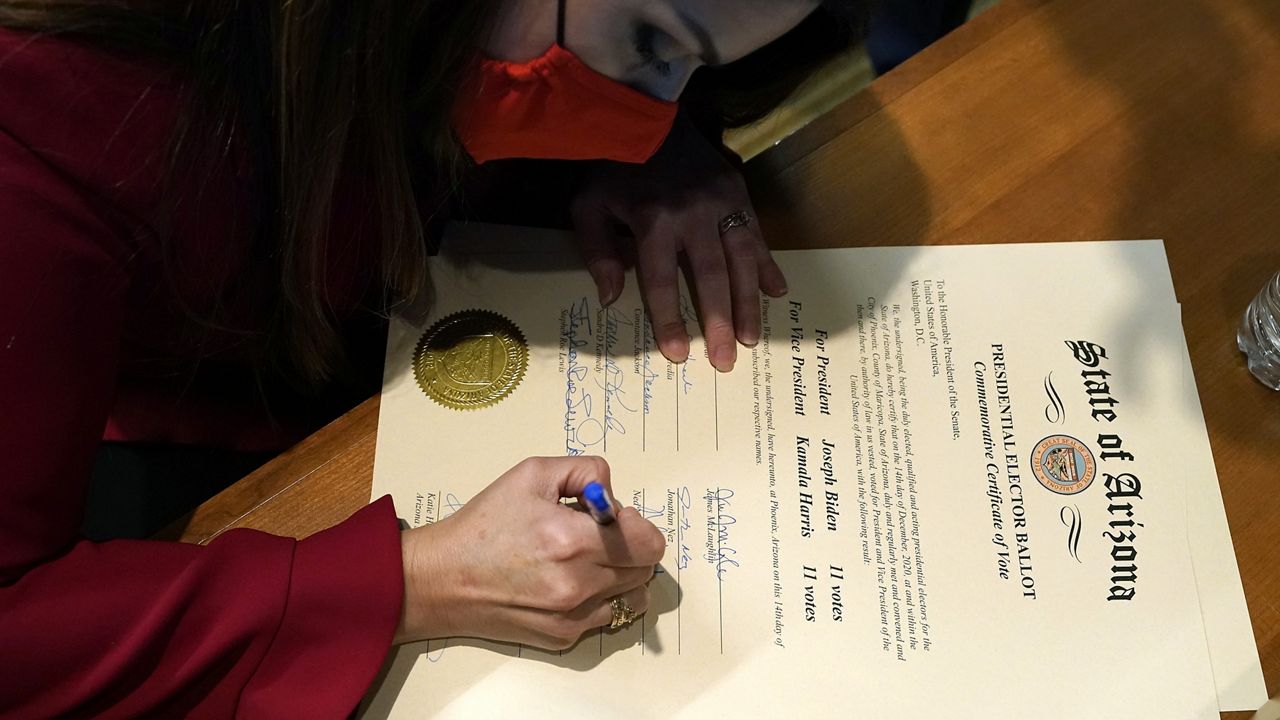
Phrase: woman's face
pixel 652 45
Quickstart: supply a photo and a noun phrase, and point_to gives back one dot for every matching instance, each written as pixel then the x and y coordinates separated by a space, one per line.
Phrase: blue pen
pixel 598 503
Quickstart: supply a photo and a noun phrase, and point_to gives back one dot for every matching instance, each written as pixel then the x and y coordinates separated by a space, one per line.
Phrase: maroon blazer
pixel 92 347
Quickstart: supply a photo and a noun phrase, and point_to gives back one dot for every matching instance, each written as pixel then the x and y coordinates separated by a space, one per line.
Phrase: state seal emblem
pixel 470 360
pixel 1063 464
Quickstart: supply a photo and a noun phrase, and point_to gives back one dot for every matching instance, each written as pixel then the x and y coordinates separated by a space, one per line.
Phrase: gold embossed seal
pixel 470 360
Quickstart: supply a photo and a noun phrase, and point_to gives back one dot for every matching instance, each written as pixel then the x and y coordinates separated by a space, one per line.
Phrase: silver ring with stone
pixel 738 219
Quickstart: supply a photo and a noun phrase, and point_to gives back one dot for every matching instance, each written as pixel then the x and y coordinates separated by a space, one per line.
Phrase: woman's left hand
pixel 673 206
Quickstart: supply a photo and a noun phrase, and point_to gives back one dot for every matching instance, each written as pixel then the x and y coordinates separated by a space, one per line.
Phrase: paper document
pixel 949 480
pixel 1232 650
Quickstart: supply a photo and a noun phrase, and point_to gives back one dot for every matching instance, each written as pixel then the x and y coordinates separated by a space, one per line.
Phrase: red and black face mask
pixel 556 107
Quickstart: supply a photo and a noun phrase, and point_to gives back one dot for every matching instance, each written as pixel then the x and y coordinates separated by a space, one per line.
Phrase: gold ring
pixel 623 615
pixel 738 219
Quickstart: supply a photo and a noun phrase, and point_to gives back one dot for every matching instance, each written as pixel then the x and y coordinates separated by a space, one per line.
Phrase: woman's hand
pixel 673 206
pixel 516 565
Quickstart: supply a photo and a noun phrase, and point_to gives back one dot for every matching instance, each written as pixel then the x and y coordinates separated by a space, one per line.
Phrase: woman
pixel 202 204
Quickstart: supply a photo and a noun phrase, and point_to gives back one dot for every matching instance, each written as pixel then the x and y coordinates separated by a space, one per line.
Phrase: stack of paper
pixel 965 482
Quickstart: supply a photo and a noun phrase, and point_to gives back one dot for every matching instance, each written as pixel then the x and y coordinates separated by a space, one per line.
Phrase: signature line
pixel 719 579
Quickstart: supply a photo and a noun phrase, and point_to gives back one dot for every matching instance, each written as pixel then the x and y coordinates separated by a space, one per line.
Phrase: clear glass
pixel 1259 336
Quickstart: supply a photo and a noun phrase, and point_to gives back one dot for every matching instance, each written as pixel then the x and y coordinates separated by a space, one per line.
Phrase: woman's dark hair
pixel 309 87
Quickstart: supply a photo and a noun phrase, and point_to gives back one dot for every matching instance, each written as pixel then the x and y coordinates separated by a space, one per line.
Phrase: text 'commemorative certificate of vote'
pixel 947 482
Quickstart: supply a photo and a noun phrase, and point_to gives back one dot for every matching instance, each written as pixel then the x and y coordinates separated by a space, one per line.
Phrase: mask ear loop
pixel 560 25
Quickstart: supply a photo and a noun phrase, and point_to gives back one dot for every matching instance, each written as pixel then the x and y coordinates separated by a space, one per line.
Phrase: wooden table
pixel 1042 120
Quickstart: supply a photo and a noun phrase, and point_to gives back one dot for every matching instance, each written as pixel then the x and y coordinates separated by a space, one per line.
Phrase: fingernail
pixel 604 284
pixel 675 350
pixel 724 357
pixel 749 338
pixel 607 293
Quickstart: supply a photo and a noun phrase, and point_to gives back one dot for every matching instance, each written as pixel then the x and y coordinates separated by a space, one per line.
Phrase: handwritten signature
pixel 582 431
pixel 689 315
pixel 721 556
pixel 584 428
pixel 647 374
pixel 684 500
pixel 614 376
pixel 451 505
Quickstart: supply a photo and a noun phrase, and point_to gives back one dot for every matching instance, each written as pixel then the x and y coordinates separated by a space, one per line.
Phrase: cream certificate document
pixel 1232 651
pixel 948 480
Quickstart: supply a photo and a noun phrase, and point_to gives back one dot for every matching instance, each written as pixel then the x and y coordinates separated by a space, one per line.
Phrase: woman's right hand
pixel 517 565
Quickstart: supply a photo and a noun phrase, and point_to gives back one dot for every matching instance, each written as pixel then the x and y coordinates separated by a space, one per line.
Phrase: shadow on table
pixel 818 188
pixel 395 674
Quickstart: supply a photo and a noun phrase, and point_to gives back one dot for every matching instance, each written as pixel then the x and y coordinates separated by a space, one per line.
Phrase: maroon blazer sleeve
pixel 250 626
